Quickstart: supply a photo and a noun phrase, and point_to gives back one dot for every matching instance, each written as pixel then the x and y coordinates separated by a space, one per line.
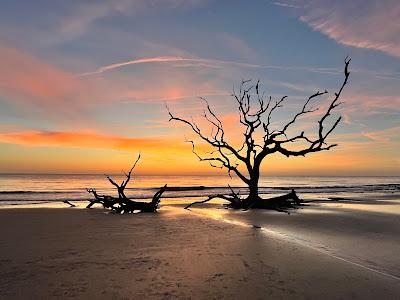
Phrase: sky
pixel 84 84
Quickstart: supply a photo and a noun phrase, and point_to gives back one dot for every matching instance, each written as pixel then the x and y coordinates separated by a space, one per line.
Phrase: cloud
pixel 238 46
pixel 383 136
pixel 284 4
pixel 90 151
pixel 85 13
pixel 24 77
pixel 371 104
pixel 359 23
pixel 81 139
pixel 171 95
pixel 28 82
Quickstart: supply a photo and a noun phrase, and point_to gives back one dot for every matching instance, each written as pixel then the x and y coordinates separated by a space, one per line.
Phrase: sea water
pixel 29 189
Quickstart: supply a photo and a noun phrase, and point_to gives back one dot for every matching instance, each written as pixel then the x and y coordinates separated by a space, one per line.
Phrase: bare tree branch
pixel 255 115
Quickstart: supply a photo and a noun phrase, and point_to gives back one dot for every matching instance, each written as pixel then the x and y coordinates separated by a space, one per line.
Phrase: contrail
pixel 214 62
pixel 157 59
pixel 166 59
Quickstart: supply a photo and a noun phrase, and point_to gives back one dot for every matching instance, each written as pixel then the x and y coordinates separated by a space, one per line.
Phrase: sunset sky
pixel 84 84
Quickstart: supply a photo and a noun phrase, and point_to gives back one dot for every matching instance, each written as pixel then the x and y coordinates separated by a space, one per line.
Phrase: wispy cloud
pixel 371 104
pixel 31 82
pixel 383 136
pixel 238 45
pixel 85 13
pixel 23 76
pixel 80 139
pixel 285 4
pixel 359 23
pixel 167 98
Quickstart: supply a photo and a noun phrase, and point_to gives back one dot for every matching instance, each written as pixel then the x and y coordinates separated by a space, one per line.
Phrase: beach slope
pixel 88 254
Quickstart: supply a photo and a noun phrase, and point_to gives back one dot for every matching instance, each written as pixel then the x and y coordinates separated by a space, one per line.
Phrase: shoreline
pixel 69 252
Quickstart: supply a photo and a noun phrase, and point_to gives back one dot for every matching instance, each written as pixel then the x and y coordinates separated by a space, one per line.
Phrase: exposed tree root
pixel 280 203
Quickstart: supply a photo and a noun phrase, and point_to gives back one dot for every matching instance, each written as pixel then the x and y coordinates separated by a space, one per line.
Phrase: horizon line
pixel 183 175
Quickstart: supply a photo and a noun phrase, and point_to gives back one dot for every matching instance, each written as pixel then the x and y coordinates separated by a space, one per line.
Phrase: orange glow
pixel 86 152
pixel 82 139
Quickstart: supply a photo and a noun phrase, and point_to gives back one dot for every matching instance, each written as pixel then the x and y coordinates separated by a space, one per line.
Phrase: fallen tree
pixel 122 204
pixel 280 203
pixel 261 138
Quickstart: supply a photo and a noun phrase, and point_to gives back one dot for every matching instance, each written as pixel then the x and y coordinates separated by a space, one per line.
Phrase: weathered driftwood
pixel 126 205
pixel 280 203
pixel 122 204
pixel 69 203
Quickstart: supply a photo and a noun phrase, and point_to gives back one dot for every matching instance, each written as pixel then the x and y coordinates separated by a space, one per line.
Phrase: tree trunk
pixel 253 189
pixel 280 203
pixel 253 200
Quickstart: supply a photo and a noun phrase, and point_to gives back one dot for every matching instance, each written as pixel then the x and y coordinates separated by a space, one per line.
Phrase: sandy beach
pixel 87 254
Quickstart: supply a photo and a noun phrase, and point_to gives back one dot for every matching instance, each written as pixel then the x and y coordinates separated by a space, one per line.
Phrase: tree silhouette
pixel 260 139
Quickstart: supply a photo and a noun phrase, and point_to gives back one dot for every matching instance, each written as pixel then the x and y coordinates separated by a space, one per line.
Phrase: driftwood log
pixel 122 204
pixel 279 203
pixel 69 203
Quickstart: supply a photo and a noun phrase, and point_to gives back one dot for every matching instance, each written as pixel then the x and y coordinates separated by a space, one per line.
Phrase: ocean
pixel 36 189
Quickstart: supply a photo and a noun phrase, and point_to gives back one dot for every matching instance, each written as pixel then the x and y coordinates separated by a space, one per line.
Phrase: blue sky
pixel 103 70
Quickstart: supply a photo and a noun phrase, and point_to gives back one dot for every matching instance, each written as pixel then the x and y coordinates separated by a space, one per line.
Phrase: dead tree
pixel 122 204
pixel 280 203
pixel 261 140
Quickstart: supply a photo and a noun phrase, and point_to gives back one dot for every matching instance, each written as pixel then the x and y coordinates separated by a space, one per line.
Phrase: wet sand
pixel 87 254
pixel 368 236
